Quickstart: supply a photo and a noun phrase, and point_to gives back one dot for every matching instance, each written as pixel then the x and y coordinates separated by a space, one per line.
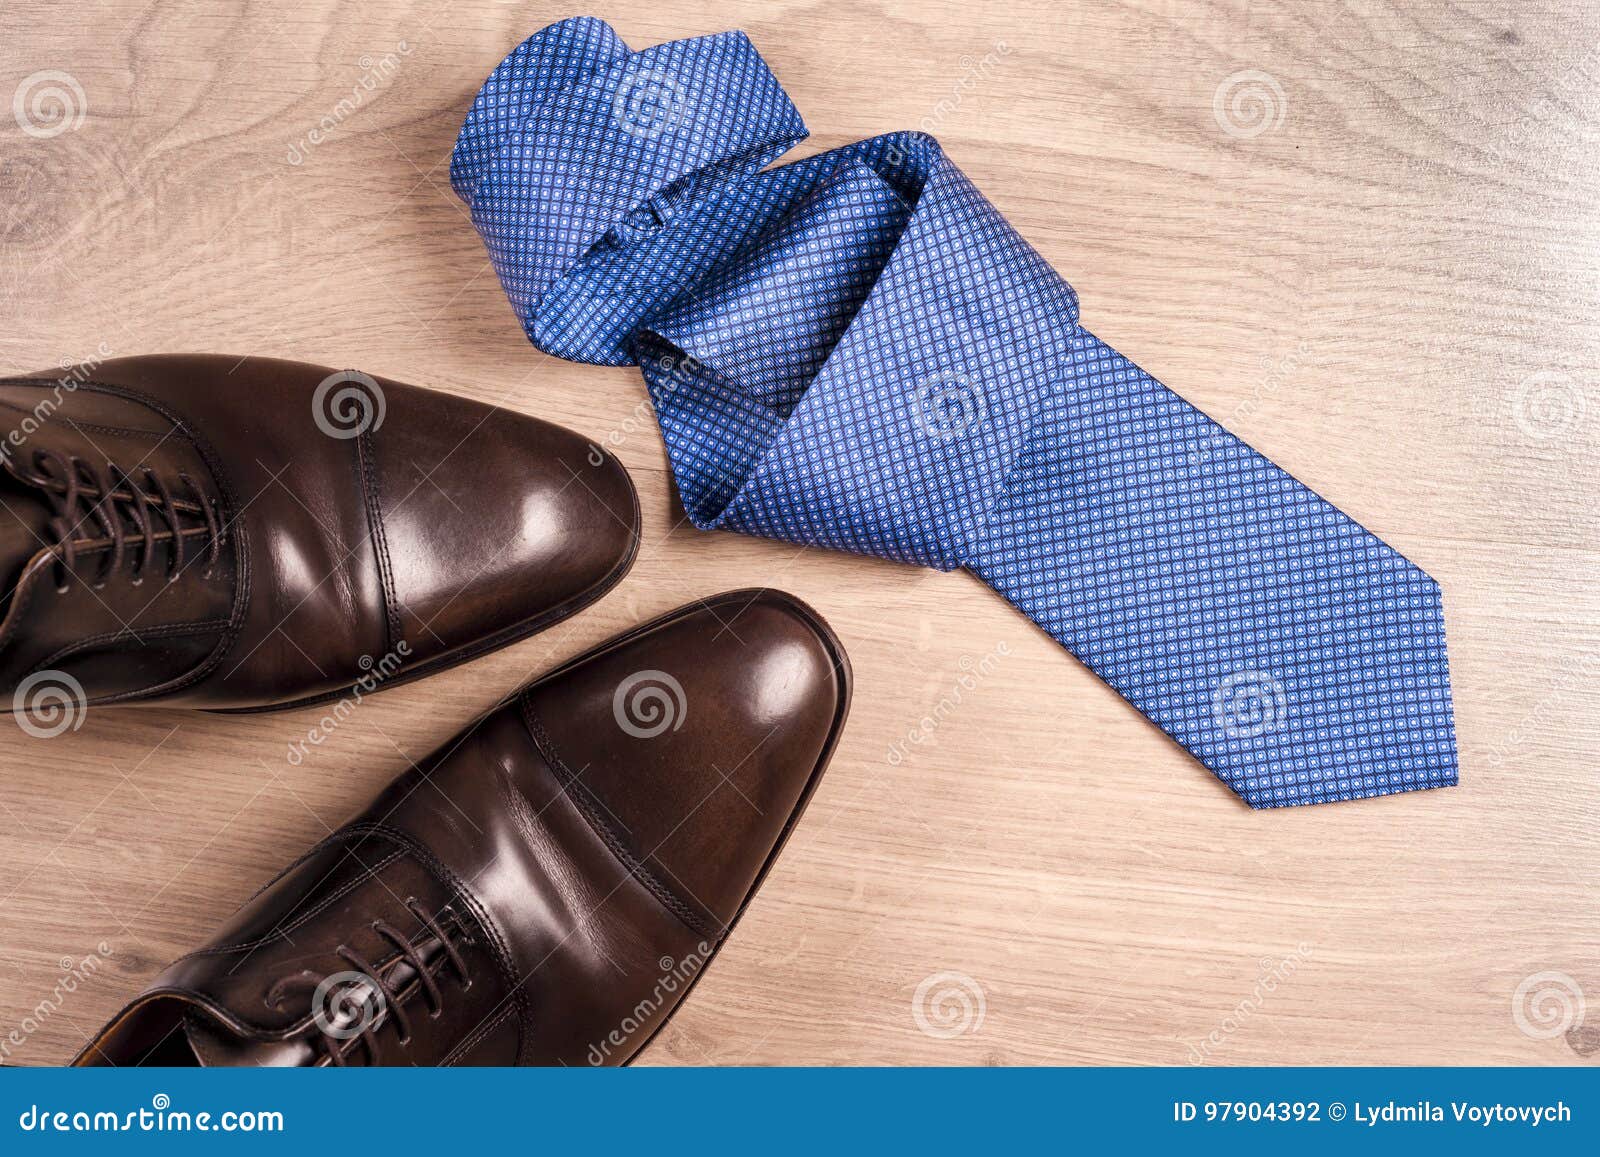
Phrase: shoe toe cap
pixel 698 739
pixel 493 521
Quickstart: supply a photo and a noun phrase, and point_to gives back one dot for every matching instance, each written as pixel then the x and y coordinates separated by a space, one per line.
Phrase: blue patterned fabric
pixel 856 350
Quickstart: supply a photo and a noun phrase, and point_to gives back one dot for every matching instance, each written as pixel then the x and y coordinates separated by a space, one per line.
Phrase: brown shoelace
pixel 108 498
pixel 393 999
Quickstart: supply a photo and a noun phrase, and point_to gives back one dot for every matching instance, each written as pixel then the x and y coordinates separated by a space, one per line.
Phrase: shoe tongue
pixel 217 1046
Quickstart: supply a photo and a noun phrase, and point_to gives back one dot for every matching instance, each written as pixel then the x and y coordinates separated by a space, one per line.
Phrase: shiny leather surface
pixel 395 540
pixel 564 870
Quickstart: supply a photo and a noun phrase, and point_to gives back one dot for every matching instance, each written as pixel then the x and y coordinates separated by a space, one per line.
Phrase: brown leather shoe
pixel 248 533
pixel 547 887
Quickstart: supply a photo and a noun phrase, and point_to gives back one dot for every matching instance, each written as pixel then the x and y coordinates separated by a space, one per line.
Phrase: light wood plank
pixel 1363 291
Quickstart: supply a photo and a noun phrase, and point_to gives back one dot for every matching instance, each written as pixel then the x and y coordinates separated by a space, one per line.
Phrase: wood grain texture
pixel 1392 290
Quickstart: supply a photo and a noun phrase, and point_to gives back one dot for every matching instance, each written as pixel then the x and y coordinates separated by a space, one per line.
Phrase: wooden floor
pixel 1365 236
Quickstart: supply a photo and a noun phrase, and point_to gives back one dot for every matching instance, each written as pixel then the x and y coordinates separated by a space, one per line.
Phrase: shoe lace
pixel 108 498
pixel 393 999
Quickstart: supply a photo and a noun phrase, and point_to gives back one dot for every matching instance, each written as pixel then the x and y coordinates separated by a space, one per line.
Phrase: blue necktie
pixel 856 350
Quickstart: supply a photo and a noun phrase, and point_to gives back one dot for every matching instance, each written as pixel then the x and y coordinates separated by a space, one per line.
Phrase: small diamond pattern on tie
pixel 856 350
pixel 1295 654
pixel 550 170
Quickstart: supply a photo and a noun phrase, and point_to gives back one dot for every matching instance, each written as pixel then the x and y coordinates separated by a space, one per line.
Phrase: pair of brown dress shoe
pixel 249 535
